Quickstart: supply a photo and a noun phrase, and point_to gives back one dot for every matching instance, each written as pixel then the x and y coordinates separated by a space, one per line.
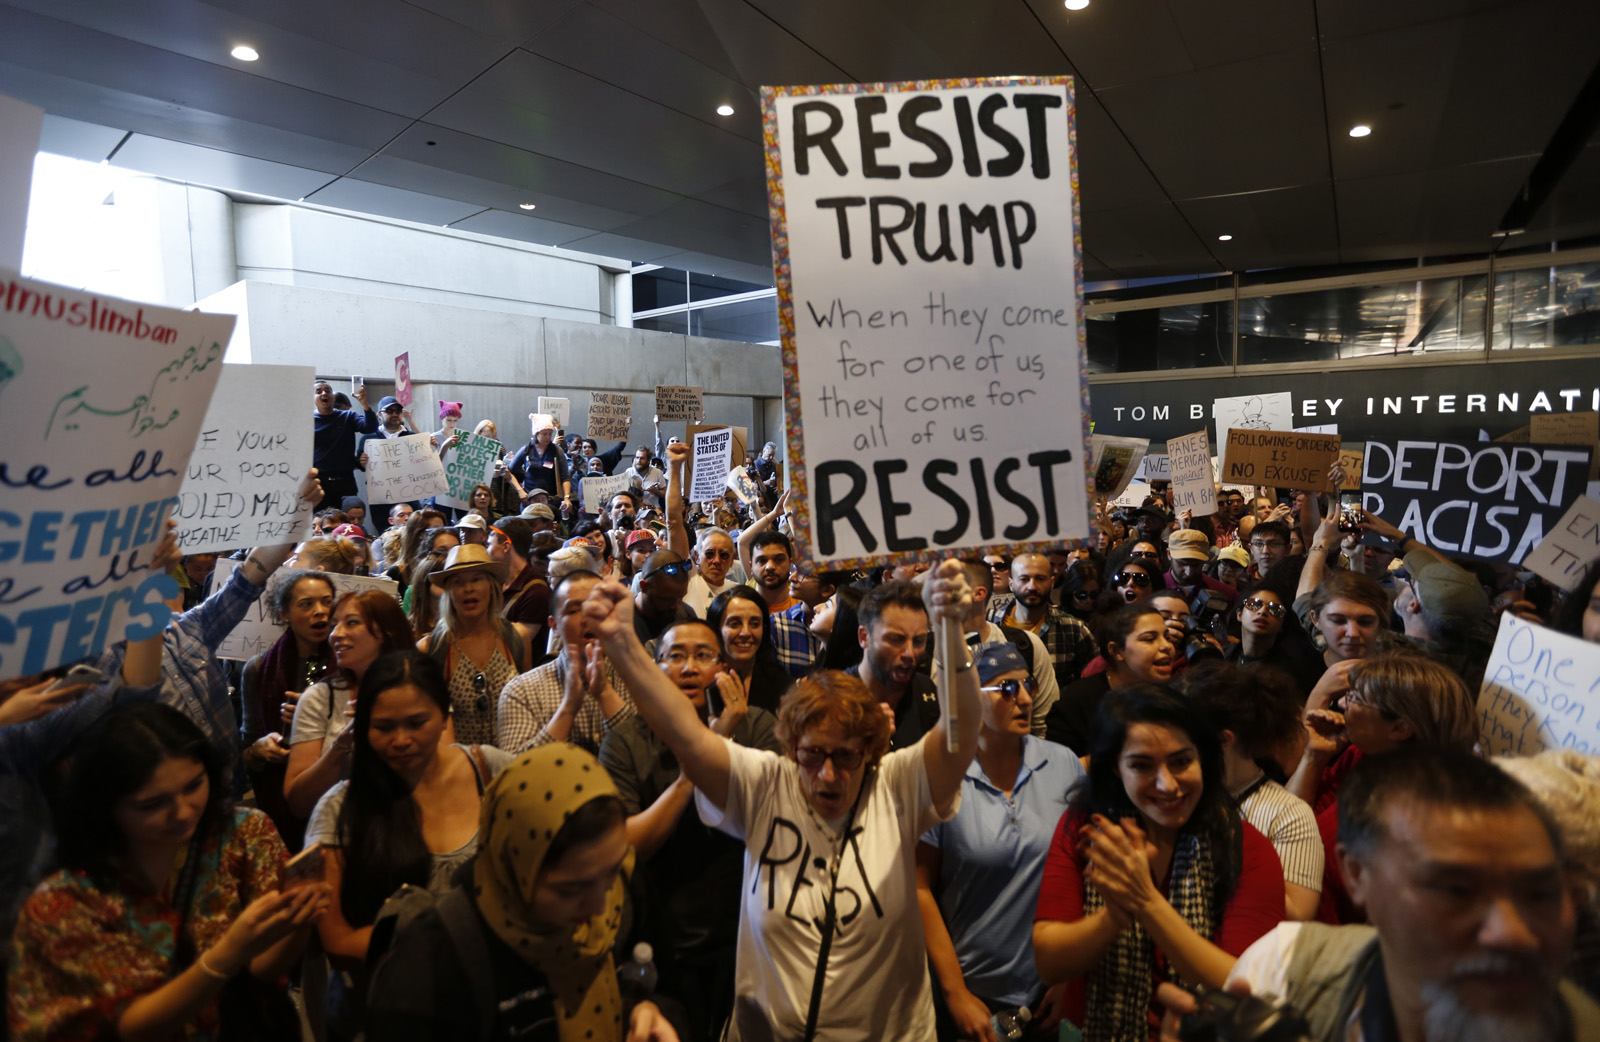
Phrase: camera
pixel 1223 1017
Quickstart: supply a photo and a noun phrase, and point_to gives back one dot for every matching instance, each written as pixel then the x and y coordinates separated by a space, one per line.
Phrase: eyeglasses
pixel 1271 609
pixel 703 657
pixel 1274 544
pixel 480 684
pixel 811 757
pixel 1130 579
pixel 1009 689
pixel 675 570
pixel 1083 595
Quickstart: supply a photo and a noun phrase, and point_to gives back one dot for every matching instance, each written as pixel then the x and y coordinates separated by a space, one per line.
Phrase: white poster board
pixel 934 381
pixel 1570 547
pixel 256 632
pixel 1155 467
pixel 241 485
pixel 1194 486
pixel 558 408
pixel 1254 412
pixel 104 401
pixel 400 470
pixel 1541 690
pixel 713 458
pixel 597 490
pixel 1133 496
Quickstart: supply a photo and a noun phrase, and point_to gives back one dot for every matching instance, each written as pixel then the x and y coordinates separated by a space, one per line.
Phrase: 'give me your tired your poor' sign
pixel 924 243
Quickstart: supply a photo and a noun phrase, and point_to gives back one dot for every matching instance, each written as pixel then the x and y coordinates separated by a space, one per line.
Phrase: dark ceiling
pixel 1196 118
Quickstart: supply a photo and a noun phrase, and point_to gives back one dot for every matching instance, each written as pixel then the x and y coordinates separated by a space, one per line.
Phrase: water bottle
pixel 637 977
pixel 1009 1024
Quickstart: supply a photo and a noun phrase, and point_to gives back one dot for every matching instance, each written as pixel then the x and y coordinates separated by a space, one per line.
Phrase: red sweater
pixel 1257 904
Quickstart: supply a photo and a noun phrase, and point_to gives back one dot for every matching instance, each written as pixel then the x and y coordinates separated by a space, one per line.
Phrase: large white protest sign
pixel 1251 412
pixel 257 632
pixel 1572 545
pixel 1156 466
pixel 1133 496
pixel 929 301
pixel 713 458
pixel 1492 500
pixel 103 400
pixel 560 409
pixel 1113 462
pixel 471 464
pixel 402 469
pixel 597 490
pixel 1541 690
pixel 1193 485
pixel 241 485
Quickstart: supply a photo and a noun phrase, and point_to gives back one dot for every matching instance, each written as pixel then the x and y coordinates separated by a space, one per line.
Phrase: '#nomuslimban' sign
pixel 925 250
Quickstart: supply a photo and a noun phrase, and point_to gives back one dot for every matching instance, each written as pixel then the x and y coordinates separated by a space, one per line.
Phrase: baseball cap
pixel 1237 554
pixel 1186 544
pixel 349 531
pixel 386 401
pixel 472 521
pixel 540 511
pixel 1000 657
pixel 1445 590
pixel 639 536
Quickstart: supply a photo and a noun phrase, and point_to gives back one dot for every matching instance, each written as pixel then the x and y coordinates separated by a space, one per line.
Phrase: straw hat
pixel 469 557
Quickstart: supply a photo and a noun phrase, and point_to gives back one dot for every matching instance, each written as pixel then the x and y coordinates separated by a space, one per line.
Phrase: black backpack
pixel 461 924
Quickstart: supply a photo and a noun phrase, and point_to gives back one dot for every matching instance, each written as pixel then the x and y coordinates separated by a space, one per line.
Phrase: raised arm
pixel 702 754
pixel 677 459
pixel 949 597
pixel 747 538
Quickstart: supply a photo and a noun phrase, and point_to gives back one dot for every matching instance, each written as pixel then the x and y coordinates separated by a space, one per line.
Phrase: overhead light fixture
pixel 526 206
pixel 1360 130
pixel 245 54
pixel 1077 5
pixel 724 110
pixel 1224 238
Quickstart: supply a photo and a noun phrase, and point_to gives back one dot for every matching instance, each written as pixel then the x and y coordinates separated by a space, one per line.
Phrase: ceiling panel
pixel 216 168
pixel 1111 172
pixel 347 193
pixel 1115 44
pixel 761 51
pixel 509 21
pixel 1143 240
pixel 70 137
pixel 1287 225
pixel 522 227
pixel 1253 28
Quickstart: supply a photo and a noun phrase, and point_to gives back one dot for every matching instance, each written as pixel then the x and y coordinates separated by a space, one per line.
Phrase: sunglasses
pixel 1009 689
pixel 1271 609
pixel 480 684
pixel 812 757
pixel 1151 554
pixel 676 570
pixel 1130 579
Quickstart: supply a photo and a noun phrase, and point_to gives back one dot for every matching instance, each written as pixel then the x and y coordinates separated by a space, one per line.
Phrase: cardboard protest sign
pixel 241 487
pixel 257 632
pixel 736 453
pixel 1193 485
pixel 1569 428
pixel 1155 467
pixel 558 409
pixel 471 463
pixel 1113 462
pixel 1251 412
pixel 20 124
pixel 679 403
pixel 930 307
pixel 1493 501
pixel 1350 460
pixel 402 469
pixel 1280 459
pixel 402 379
pixel 1541 690
pixel 712 452
pixel 597 490
pixel 1569 549
pixel 610 415
pixel 104 400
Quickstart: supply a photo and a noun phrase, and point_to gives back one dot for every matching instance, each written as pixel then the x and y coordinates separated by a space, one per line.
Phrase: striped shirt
pixel 1287 821
pixel 530 701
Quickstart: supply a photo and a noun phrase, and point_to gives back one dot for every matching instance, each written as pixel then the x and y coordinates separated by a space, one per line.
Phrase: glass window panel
pixel 1402 318
pixel 676 322
pixel 1547 307
pixel 754 321
pixel 660 288
pixel 1187 336
pixel 709 287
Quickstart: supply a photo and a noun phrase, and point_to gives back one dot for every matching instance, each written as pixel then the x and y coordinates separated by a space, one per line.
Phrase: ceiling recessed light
pixel 724 110
pixel 244 54
pixel 1077 5
pixel 1360 130
pixel 526 206
pixel 1224 238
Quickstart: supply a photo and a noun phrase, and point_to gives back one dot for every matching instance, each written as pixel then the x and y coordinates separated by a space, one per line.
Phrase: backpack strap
pixel 1019 637
pixel 482 767
pixel 466 934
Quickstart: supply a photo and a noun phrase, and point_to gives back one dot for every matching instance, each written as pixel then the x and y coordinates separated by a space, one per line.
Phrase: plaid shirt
pixel 1068 640
pixel 797 646
pixel 193 680
pixel 529 702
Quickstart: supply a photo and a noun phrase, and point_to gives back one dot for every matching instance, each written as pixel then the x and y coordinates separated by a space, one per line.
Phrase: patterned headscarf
pixel 523 809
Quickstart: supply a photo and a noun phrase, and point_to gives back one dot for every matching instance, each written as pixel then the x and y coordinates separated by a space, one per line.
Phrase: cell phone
pixel 1350 512
pixel 713 700
pixel 356 384
pixel 308 866
pixel 79 674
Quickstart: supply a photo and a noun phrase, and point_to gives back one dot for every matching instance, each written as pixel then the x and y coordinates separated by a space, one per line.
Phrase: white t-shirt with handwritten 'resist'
pixel 877 978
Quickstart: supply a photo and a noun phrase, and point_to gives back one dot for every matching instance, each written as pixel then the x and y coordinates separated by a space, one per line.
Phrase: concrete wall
pixel 498 363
